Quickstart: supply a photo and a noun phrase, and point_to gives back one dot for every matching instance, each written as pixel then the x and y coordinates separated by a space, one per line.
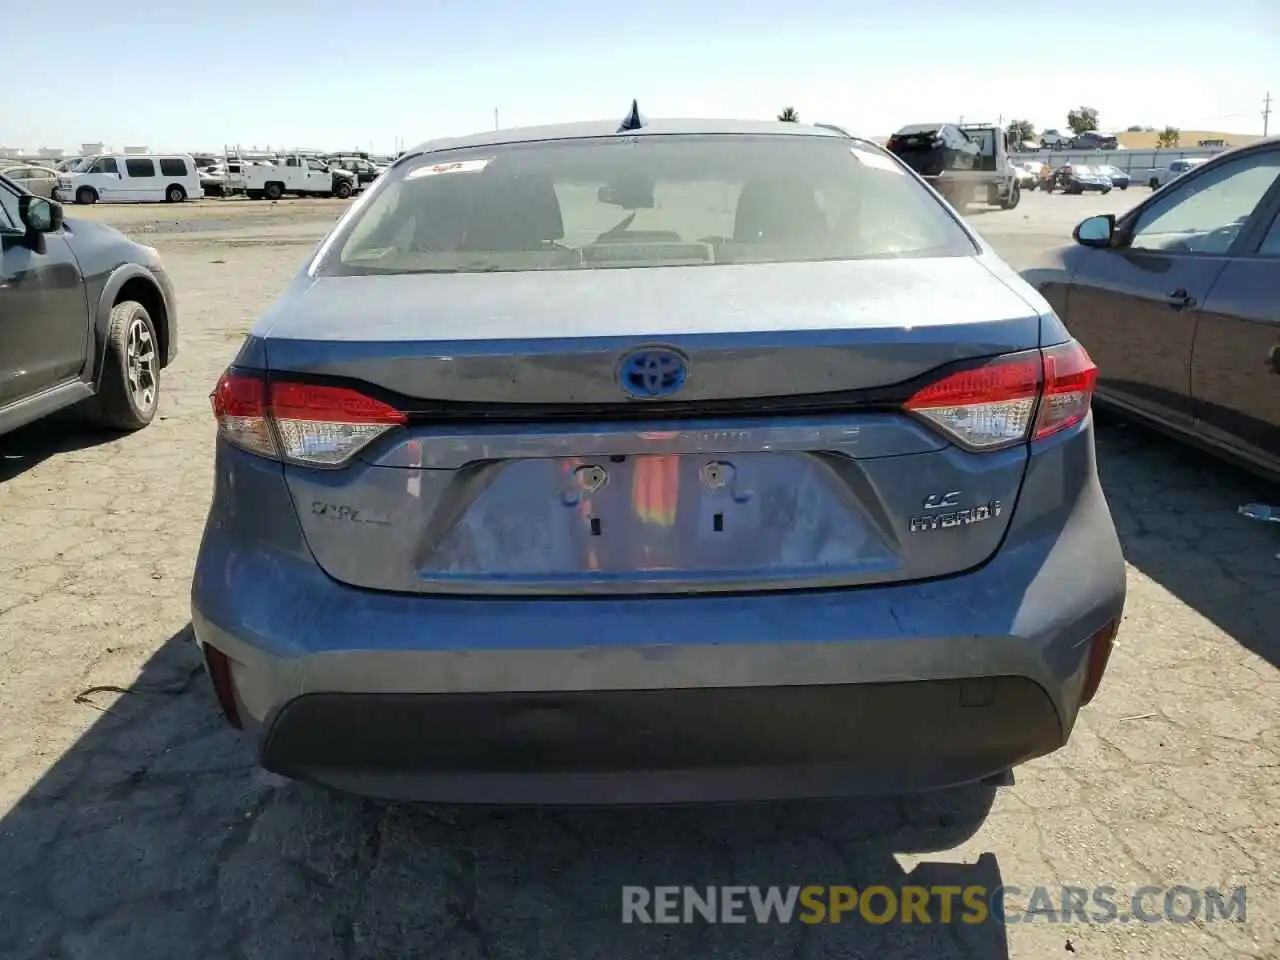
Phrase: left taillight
pixel 313 424
pixel 1011 399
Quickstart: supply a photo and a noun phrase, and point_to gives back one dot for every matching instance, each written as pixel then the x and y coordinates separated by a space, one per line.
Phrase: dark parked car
pixel 364 170
pixel 1178 301
pixel 933 148
pixel 86 314
pixel 623 494
pixel 1095 141
pixel 1080 178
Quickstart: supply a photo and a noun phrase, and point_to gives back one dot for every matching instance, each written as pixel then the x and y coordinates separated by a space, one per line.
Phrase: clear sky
pixel 375 73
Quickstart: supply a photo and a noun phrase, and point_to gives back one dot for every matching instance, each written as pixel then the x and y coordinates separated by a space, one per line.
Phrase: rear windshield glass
pixel 643 201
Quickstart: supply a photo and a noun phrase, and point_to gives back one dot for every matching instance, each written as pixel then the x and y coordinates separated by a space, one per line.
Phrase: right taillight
pixel 1010 399
pixel 317 425
pixel 1069 378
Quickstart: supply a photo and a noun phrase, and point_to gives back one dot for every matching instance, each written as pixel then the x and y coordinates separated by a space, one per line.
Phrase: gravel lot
pixel 135 825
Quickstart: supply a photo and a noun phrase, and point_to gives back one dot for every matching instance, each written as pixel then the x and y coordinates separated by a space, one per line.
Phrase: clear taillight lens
pixel 316 425
pixel 986 407
pixel 1021 396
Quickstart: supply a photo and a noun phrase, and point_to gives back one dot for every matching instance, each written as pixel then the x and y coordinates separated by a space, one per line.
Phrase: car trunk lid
pixel 517 465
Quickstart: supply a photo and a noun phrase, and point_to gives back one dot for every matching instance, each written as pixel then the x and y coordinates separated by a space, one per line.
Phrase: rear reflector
pixel 219 667
pixel 317 425
pixel 1100 647
pixel 1011 399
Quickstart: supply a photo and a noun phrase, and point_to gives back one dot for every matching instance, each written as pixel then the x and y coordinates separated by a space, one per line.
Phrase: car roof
pixel 609 128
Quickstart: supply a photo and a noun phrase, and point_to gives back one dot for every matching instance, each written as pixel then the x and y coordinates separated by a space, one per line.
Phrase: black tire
pixel 273 191
pixel 1125 187
pixel 86 195
pixel 1105 191
pixel 129 391
pixel 175 193
pixel 1154 184
pixel 342 189
pixel 1012 200
pixel 254 194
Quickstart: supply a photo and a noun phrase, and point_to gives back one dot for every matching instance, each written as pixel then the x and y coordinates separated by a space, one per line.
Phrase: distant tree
pixel 1136 128
pixel 1021 131
pixel 1082 120
pixel 1169 137
pixel 789 115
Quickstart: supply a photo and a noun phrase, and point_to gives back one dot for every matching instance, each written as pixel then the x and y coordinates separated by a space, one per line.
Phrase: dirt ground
pixel 134 825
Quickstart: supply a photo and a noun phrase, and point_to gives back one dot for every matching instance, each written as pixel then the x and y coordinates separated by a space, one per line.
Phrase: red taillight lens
pixel 1069 378
pixel 995 405
pixel 306 423
pixel 240 407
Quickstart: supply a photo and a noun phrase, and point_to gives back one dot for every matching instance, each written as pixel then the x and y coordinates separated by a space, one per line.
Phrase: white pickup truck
pixel 297 175
pixel 1157 177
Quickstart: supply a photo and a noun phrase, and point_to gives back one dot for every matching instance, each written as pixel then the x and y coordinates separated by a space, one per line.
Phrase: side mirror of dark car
pixel 39 216
pixel 1096 231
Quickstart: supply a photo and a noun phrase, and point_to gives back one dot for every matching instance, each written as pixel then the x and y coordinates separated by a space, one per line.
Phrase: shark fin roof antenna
pixel 633 120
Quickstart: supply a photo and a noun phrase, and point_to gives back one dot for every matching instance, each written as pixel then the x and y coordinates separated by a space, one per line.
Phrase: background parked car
pixel 1092 140
pixel 1077 178
pixel 1159 176
pixel 38 181
pixel 1028 173
pixel 1053 140
pixel 1178 302
pixel 86 316
pixel 131 178
pixel 1119 179
pixel 364 170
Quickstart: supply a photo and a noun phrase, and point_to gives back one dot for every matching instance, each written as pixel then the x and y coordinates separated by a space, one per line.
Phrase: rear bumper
pixel 531 700
pixel 638 746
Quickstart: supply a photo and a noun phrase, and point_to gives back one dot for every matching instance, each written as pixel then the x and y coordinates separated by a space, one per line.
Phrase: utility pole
pixel 1266 113
pixel 495 118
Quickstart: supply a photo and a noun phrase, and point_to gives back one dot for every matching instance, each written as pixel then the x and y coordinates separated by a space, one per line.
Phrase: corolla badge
pixel 653 373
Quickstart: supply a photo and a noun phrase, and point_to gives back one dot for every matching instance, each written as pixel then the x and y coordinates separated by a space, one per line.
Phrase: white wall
pixel 1133 162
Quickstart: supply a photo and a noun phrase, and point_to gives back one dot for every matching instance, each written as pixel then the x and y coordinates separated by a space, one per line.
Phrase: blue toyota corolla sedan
pixel 662 461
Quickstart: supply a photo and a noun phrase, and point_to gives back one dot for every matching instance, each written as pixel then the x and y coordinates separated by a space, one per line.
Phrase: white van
pixel 131 178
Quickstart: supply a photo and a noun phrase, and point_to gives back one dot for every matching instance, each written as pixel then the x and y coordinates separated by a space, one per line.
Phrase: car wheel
pixel 175 193
pixel 1125 187
pixel 130 389
pixel 1015 195
pixel 1154 184
pixel 86 195
pixel 342 190
pixel 273 191
pixel 1106 190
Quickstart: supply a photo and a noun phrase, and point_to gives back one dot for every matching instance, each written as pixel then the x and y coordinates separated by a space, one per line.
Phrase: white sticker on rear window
pixel 875 161
pixel 457 166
